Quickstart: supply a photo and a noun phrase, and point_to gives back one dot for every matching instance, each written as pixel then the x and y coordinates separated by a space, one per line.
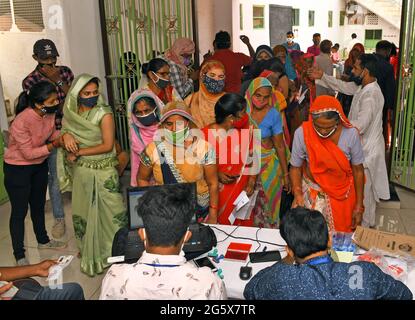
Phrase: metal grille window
pixel 296 17
pixel 342 17
pixel 311 14
pixel 330 24
pixel 259 17
pixel 241 16
pixel 21 15
pixel 372 19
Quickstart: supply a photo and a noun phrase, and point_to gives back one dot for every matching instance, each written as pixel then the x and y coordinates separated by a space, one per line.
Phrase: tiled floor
pixel 392 220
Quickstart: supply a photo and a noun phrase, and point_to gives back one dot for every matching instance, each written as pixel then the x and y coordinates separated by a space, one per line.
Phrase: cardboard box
pixel 397 244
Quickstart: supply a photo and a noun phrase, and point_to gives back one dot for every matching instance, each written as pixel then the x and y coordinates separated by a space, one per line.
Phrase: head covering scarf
pixel 273 102
pixel 140 135
pixel 289 68
pixel 264 48
pixel 177 108
pixel 203 102
pixel 329 166
pixel 180 47
pixel 87 132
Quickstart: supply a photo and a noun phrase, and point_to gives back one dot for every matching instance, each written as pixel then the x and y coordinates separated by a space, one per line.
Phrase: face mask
pixel 89 102
pixel 50 110
pixel 187 61
pixel 213 86
pixel 357 79
pixel 177 138
pixel 148 119
pixel 289 40
pixel 258 104
pixel 325 136
pixel 161 83
pixel 241 123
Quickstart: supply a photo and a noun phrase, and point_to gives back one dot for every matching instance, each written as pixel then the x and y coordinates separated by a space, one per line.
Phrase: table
pixel 234 285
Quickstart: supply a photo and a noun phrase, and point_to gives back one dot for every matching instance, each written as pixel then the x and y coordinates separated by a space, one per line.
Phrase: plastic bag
pixel 396 266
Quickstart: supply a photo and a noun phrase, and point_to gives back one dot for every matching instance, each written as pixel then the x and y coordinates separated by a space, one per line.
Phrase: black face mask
pixel 50 110
pixel 89 102
pixel 355 79
pixel 148 119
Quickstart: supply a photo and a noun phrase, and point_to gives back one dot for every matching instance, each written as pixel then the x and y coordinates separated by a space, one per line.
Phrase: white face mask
pixel 325 136
pixel 289 40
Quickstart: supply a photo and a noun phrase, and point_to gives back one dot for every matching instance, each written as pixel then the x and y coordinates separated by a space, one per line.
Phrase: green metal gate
pixel 135 31
pixel 403 158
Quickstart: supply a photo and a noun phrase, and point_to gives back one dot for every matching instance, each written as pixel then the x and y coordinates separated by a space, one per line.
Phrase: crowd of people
pixel 276 124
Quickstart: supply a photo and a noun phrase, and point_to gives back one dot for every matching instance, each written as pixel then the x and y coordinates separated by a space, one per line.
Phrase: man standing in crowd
pixel 366 115
pixel 232 61
pixel 315 48
pixel 352 42
pixel 45 54
pixel 323 61
pixel 386 81
pixel 290 45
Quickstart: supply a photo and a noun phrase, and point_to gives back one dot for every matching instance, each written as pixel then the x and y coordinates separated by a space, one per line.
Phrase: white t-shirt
pixel 158 277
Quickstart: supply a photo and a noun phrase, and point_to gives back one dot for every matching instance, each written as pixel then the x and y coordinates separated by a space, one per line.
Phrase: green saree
pixel 97 205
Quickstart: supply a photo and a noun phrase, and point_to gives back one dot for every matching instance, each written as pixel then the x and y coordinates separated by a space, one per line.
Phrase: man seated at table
pixel 162 272
pixel 314 275
pixel 29 289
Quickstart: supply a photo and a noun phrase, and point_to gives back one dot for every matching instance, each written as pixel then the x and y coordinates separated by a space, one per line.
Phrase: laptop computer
pixel 135 246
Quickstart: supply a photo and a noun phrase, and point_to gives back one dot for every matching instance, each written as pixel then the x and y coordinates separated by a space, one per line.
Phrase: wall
pixel 83 33
pixel 212 16
pixel 303 33
pixel 76 33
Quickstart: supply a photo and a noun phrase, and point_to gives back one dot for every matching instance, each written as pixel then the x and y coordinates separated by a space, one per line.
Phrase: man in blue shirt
pixel 315 276
pixel 290 45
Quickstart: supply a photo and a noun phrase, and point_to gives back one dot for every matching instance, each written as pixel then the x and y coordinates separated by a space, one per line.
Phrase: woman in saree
pixel 211 88
pixel 264 114
pixel 179 154
pixel 144 109
pixel 232 136
pixel 87 169
pixel 327 166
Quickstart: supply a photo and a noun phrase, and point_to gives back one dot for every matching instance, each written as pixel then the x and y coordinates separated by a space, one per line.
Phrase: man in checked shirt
pixel 45 53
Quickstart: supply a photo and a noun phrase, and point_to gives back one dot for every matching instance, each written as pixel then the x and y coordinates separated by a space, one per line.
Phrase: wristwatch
pixel 60 83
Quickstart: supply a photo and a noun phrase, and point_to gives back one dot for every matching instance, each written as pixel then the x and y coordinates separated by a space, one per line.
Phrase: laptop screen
pixel 133 194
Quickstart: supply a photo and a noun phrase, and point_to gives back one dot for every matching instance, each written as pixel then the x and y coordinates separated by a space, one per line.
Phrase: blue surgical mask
pixel 148 119
pixel 89 102
pixel 213 86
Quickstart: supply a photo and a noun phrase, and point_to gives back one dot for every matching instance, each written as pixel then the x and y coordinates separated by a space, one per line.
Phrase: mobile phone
pixel 266 256
pixel 205 262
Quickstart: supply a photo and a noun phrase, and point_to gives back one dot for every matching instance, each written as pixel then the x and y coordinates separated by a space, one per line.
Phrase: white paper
pixel 302 97
pixel 244 212
pixel 241 201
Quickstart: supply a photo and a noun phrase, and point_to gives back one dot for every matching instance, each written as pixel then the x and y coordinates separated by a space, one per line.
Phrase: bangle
pixel 359 209
pixel 213 207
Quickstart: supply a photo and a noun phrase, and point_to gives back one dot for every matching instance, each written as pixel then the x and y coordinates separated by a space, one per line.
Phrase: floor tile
pixel 389 220
pixel 407 198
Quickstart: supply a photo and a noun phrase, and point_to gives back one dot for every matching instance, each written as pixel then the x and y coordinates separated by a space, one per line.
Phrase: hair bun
pixel 145 68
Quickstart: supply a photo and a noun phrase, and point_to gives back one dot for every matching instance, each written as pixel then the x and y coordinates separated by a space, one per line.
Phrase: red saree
pixel 231 155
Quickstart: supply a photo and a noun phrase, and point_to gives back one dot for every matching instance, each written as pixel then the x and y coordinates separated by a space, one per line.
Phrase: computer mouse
pixel 245 273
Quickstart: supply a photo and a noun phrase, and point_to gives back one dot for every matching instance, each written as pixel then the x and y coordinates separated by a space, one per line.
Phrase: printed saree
pixel 97 203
